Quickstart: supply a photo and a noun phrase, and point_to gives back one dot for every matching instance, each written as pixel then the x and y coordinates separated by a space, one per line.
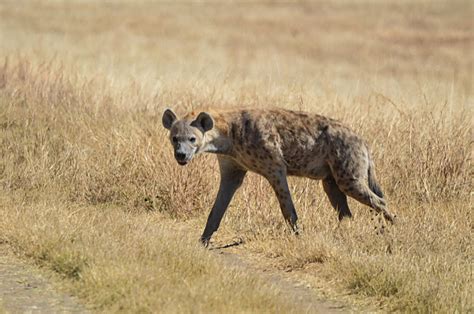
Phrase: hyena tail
pixel 373 185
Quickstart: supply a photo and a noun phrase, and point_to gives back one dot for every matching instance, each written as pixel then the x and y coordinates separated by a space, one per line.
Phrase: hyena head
pixel 187 136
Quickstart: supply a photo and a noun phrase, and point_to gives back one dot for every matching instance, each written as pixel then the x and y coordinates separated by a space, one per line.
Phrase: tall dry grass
pixel 89 187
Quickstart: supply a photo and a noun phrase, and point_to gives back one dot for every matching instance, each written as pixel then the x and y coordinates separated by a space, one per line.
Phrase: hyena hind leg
pixel 337 198
pixel 360 191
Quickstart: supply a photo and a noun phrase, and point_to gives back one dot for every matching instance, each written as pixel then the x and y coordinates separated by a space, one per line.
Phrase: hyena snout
pixel 180 157
pixel 183 154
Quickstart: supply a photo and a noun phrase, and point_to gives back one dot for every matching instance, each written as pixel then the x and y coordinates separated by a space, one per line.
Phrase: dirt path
pixel 24 289
pixel 297 290
pixel 294 290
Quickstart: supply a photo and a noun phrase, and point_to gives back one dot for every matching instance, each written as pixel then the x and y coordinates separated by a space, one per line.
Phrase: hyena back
pixel 275 144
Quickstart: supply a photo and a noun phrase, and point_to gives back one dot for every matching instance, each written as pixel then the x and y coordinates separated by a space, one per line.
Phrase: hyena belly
pixel 317 170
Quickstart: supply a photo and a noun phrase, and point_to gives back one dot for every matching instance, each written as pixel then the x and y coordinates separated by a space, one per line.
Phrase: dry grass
pixel 131 262
pixel 89 187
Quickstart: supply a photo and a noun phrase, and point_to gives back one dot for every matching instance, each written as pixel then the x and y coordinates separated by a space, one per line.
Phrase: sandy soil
pixel 26 289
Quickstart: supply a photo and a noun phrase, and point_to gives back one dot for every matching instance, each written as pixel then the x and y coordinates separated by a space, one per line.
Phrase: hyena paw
pixel 390 217
pixel 205 241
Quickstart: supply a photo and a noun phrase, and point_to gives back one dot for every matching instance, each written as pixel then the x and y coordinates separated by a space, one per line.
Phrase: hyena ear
pixel 169 117
pixel 204 122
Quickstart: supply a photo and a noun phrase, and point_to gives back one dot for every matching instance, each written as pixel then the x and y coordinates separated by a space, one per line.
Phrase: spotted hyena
pixel 275 144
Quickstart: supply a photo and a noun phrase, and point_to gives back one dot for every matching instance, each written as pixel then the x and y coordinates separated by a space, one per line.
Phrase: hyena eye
pixel 174 139
pixel 192 139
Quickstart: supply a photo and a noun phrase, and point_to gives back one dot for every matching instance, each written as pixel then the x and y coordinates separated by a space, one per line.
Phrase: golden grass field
pixel 89 187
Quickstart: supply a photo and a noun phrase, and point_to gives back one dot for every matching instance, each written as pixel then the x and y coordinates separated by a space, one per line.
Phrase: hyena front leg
pixel 231 179
pixel 279 184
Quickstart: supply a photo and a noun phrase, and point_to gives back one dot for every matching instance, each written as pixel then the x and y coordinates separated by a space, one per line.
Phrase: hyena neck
pixel 217 142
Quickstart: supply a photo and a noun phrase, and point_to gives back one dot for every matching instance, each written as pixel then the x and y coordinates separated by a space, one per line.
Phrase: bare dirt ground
pixel 26 289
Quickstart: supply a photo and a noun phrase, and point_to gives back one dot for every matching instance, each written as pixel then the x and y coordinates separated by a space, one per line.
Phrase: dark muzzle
pixel 181 158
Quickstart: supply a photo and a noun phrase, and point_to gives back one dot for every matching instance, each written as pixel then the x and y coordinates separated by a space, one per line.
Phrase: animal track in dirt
pixel 24 289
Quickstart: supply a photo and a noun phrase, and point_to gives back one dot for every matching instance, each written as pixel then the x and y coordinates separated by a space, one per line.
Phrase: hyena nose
pixel 180 156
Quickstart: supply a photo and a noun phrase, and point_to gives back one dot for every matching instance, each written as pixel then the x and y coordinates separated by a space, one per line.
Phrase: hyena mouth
pixel 182 162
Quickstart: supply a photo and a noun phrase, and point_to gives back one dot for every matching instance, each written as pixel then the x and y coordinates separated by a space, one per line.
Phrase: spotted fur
pixel 275 144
